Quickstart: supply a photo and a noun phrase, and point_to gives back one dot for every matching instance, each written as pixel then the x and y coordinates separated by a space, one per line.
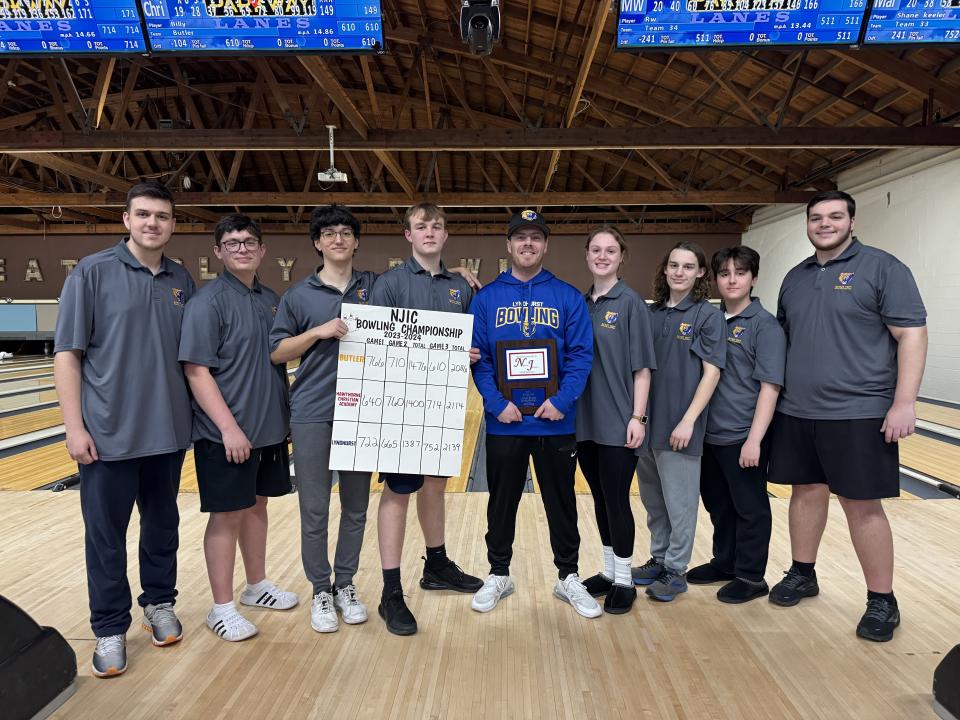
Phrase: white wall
pixel 908 203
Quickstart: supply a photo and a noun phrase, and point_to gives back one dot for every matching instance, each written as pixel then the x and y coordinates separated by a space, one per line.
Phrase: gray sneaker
pixel 646 573
pixel 110 656
pixel 162 624
pixel 668 585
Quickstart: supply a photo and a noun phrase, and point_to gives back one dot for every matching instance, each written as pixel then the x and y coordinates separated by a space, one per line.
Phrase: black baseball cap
pixel 528 218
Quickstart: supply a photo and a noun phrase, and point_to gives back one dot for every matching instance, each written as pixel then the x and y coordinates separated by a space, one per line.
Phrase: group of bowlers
pixel 694 400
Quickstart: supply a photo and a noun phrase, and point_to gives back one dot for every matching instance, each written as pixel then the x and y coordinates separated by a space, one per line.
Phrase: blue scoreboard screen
pixel 913 21
pixel 70 27
pixel 224 26
pixel 719 23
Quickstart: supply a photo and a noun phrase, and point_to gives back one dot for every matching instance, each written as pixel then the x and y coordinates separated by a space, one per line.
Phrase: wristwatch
pixel 641 418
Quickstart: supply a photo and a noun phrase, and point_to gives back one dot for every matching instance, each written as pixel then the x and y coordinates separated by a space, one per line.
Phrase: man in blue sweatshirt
pixel 545 314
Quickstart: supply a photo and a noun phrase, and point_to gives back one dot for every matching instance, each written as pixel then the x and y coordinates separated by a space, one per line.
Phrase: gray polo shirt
pixel 622 344
pixel 841 358
pixel 306 304
pixel 226 328
pixel 756 352
pixel 126 320
pixel 411 286
pixel 683 337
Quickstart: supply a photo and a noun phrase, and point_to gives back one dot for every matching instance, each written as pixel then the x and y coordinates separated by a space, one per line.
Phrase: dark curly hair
pixel 701 286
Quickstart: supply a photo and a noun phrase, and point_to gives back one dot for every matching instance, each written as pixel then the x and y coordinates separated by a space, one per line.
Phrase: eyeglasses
pixel 234 245
pixel 331 234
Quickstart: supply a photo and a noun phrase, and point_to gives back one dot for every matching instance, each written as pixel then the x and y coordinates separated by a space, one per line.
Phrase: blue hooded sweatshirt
pixel 543 307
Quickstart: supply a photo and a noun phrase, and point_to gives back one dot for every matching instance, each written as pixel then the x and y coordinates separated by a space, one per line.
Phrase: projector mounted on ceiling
pixel 331 174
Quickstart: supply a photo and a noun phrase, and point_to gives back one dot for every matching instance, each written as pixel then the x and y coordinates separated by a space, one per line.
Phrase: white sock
pixel 259 587
pixel 608 568
pixel 622 574
pixel 221 609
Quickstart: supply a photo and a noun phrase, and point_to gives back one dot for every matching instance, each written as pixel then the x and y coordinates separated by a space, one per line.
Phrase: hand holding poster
pixel 401 391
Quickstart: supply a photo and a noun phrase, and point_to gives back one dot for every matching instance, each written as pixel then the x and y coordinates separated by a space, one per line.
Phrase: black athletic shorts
pixel 226 486
pixel 402 483
pixel 850 456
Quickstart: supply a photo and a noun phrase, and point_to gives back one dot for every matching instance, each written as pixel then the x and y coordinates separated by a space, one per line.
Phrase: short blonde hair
pixel 430 212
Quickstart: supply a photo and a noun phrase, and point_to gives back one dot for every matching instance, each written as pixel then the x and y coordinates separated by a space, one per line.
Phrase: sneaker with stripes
pixel 230 625
pixel 267 595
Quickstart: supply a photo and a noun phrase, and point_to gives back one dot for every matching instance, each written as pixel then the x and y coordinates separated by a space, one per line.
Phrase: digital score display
pixel 719 23
pixel 913 21
pixel 70 27
pixel 225 26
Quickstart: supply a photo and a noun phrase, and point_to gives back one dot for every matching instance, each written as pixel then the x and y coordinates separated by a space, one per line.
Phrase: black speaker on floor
pixel 946 686
pixel 37 666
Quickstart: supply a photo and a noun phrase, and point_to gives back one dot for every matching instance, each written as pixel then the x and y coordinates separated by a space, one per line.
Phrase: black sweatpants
pixel 739 508
pixel 609 471
pixel 555 460
pixel 108 491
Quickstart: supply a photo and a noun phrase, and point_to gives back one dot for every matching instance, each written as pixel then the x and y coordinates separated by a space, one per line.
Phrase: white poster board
pixel 401 391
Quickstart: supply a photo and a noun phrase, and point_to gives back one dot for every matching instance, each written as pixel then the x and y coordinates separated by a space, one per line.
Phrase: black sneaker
pixel 793 588
pixel 707 574
pixel 449 577
pixel 598 585
pixel 620 599
pixel 395 613
pixel 740 591
pixel 879 621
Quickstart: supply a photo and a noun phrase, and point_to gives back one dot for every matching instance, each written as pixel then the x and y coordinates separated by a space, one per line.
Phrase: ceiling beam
pixel 905 74
pixel 485 139
pixel 586 61
pixel 101 88
pixel 449 199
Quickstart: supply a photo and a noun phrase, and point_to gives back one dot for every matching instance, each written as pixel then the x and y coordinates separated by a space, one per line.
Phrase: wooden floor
pixel 532 657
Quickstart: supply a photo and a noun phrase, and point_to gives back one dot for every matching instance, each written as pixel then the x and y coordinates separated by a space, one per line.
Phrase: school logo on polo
pixel 845 281
pixel 610 320
pixel 455 297
pixel 528 318
pixel 273 309
pixel 685 331
pixel 736 334
pixel 178 297
pixel 363 295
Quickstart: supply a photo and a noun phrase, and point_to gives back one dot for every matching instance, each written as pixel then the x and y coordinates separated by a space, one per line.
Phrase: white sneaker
pixel 346 601
pixel 270 597
pixel 572 591
pixel 323 613
pixel 494 588
pixel 231 625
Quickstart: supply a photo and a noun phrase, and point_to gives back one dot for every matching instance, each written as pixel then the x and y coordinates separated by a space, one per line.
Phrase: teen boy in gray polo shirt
pixel 240 422
pixel 127 416
pixel 733 472
pixel 422 283
pixel 308 326
pixel 856 347
pixel 689 346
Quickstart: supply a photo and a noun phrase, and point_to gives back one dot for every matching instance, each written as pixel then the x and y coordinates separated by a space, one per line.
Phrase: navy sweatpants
pixel 108 491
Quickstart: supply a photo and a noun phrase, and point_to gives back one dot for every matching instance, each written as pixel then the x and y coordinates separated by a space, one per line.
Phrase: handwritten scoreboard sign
pixel 70 27
pixel 401 391
pixel 225 26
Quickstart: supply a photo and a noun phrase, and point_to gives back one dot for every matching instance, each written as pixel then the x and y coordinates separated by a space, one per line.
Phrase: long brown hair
pixel 701 286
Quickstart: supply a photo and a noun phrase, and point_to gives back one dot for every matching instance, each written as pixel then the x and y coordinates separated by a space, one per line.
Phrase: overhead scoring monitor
pixel 900 22
pixel 69 27
pixel 225 26
pixel 719 23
